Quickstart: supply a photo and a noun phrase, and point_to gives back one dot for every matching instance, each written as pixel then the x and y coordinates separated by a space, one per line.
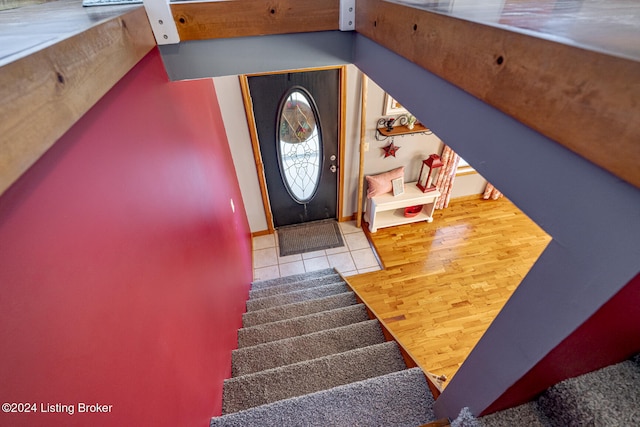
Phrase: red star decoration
pixel 390 150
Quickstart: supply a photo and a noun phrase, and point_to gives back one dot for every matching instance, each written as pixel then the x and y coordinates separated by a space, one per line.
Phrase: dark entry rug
pixel 309 237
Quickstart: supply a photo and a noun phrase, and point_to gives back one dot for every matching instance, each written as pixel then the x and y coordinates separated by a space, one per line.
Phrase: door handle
pixel 333 168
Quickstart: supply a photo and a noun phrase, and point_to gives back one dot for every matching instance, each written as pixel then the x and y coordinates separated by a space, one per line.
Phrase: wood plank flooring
pixel 445 282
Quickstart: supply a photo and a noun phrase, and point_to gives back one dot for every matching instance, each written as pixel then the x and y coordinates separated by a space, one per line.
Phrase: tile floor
pixel 355 257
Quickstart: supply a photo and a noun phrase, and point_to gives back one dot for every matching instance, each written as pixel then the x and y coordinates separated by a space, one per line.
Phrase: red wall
pixel 123 269
pixel 610 336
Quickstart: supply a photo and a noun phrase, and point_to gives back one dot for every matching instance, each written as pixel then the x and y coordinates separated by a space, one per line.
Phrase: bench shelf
pixel 387 210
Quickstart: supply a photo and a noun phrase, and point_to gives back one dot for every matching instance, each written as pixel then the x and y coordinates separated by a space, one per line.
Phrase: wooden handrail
pixel 213 20
pixel 585 99
pixel 47 90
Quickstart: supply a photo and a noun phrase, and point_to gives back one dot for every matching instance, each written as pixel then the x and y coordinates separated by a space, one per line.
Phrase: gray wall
pixel 245 55
pixel 593 217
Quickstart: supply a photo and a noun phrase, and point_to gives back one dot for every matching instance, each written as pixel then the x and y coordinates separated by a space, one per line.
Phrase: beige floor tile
pixel 338 250
pixel 341 262
pixel 290 268
pixel 349 273
pixel 356 241
pixel 263 242
pixel 318 263
pixel 349 227
pixel 289 258
pixel 266 273
pixel 315 254
pixel 264 257
pixel 364 258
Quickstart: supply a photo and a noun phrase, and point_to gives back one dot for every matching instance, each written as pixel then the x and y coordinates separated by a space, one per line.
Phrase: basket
pixel 411 211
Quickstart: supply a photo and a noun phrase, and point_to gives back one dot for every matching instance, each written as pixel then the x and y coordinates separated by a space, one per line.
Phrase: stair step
pixel 283 312
pixel 399 399
pixel 297 296
pixel 310 376
pixel 303 325
pixel 528 415
pixel 260 284
pixel 306 347
pixel 295 286
pixel 608 396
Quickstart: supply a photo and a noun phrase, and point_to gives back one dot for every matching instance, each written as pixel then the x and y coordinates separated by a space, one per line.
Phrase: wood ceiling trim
pixel 587 101
pixel 46 92
pixel 213 20
pixel 584 100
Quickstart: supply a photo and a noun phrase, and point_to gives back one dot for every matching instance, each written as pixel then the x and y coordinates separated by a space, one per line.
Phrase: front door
pixel 296 117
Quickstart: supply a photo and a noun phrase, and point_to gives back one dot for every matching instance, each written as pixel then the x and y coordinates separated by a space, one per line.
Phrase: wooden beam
pixel 255 145
pixel 213 20
pixel 45 93
pixel 361 148
pixel 342 139
pixel 585 100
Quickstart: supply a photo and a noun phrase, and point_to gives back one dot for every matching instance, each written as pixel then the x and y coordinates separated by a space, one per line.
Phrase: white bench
pixel 386 210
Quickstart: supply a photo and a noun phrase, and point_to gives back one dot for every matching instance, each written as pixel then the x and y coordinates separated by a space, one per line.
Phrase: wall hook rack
pixel 398 126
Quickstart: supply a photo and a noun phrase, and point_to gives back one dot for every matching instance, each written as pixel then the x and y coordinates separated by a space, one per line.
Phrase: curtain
pixel 447 175
pixel 491 192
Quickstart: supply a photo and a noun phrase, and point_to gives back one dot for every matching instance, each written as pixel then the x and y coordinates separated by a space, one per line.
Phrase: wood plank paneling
pixel 212 20
pixel 45 93
pixel 583 99
pixel 444 282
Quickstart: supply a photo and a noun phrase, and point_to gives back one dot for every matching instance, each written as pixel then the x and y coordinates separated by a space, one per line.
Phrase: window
pixel 464 168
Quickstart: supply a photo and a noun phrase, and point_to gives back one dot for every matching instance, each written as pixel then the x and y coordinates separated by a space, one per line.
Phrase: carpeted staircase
pixel 309 355
pixel 607 397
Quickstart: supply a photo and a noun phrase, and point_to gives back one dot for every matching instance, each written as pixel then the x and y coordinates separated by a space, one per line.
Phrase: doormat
pixel 309 237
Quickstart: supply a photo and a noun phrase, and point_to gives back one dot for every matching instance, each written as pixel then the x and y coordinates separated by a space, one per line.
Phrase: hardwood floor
pixel 444 282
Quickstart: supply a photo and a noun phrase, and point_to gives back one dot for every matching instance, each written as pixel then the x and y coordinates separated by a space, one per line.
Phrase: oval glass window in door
pixel 299 143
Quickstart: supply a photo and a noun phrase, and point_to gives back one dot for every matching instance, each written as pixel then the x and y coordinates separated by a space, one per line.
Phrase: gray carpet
pixel 261 284
pixel 400 399
pixel 297 296
pixel 528 415
pixel 289 311
pixel 606 397
pixel 301 325
pixel 306 347
pixel 309 237
pixel 301 378
pixel 318 362
pixel 295 286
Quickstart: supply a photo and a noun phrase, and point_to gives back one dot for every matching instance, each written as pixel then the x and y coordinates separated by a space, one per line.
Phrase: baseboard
pixel 465 198
pixel 260 233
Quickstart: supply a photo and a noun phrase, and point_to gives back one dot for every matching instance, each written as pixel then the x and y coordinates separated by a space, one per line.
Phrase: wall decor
pixel 404 124
pixel 429 173
pixel 391 106
pixel 390 150
pixel 398 186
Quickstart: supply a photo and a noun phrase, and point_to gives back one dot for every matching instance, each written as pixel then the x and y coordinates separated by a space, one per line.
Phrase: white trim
pixel 161 20
pixel 347 15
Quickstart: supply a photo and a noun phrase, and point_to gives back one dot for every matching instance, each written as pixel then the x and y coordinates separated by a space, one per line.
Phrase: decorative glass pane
pixel 299 145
